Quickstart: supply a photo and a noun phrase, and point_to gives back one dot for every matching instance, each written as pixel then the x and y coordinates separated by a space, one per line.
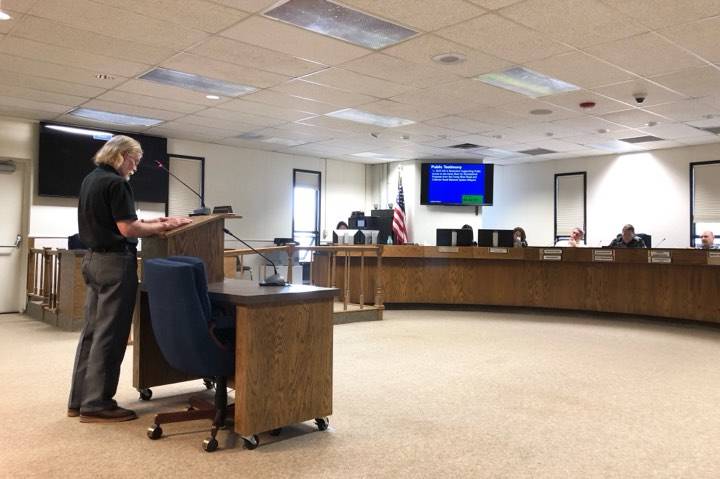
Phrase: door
pixel 12 285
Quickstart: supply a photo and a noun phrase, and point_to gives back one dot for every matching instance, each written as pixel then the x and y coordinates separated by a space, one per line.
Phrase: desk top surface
pixel 240 291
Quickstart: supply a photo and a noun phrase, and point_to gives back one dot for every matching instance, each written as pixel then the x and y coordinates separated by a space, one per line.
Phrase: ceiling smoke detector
pixel 449 58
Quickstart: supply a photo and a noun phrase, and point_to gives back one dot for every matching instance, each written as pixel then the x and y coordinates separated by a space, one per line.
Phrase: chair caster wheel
pixel 251 442
pixel 322 423
pixel 209 383
pixel 154 432
pixel 145 394
pixel 210 444
pixel 276 432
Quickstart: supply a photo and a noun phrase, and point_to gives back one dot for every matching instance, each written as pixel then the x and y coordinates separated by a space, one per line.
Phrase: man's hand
pixel 150 227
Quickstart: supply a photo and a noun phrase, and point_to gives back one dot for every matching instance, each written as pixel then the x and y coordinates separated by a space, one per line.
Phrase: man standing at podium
pixel 109 227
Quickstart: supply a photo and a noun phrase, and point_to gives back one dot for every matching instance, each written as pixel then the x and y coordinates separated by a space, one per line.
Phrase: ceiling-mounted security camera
pixel 639 97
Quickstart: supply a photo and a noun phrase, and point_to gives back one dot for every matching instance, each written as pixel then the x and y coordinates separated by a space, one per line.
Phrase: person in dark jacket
pixel 627 239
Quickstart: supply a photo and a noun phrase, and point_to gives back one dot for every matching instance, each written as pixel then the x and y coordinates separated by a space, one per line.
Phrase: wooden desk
pixel 632 281
pixel 283 353
pixel 283 362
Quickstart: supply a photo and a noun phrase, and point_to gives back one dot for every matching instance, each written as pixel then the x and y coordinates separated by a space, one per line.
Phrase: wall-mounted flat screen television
pixel 66 156
pixel 468 184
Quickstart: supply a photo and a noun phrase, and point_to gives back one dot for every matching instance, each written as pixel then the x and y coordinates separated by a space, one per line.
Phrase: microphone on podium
pixel 272 280
pixel 202 211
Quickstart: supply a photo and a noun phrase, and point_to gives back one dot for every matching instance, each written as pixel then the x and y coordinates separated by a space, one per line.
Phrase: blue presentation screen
pixel 456 184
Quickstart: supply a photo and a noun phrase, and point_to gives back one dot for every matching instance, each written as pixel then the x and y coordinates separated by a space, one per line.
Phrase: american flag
pixel 399 228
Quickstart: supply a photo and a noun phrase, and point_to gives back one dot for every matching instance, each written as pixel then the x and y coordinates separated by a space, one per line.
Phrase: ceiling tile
pixel 523 109
pixel 494 35
pixel 7 25
pixel 673 131
pixel 342 125
pixel 634 118
pixel 461 124
pixel 116 22
pixel 240 117
pixel 132 110
pixel 294 41
pixel 694 82
pixel 686 110
pixel 580 69
pixel 43 52
pixel 626 91
pixel 235 127
pixel 641 55
pixel 194 14
pixel 356 82
pixel 15 78
pixel 149 88
pixel 324 94
pixel 699 140
pixel 401 110
pixel 587 125
pixel 283 100
pixel 231 51
pixel 9 102
pixel 150 102
pixel 422 49
pixel 493 116
pixel 494 4
pixel 426 16
pixel 54 33
pixel 572 100
pixel 580 23
pixel 248 5
pixel 661 13
pixel 254 108
pixel 41 96
pixel 188 63
pixel 400 71
pixel 20 6
pixel 53 71
pixel 699 37
pixel 190 132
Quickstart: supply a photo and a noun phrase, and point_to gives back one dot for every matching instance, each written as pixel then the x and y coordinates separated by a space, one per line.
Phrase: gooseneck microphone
pixel 272 280
pixel 202 211
pixel 661 242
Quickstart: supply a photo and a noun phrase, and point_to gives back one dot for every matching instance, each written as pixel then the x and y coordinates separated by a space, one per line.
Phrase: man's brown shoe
pixel 117 414
pixel 72 412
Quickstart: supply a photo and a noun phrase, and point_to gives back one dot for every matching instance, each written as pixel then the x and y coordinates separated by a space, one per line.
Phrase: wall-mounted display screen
pixel 468 184
pixel 66 157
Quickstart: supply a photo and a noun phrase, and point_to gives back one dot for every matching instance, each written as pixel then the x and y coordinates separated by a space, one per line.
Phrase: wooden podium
pixel 202 238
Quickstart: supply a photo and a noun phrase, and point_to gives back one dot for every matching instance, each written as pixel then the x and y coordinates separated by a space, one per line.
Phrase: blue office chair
pixel 189 339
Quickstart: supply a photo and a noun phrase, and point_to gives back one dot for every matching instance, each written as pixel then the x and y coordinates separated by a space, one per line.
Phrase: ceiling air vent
pixel 641 139
pixel 537 151
pixel 715 130
pixel 465 146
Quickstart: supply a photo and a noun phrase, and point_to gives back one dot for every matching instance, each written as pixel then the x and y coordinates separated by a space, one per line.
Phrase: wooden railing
pixel 43 277
pixel 335 254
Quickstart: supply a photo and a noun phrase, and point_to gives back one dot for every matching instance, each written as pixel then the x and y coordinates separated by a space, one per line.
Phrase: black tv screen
pixel 65 158
pixel 456 184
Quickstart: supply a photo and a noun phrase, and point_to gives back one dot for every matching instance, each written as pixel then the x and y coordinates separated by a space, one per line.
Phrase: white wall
pixel 258 185
pixel 649 190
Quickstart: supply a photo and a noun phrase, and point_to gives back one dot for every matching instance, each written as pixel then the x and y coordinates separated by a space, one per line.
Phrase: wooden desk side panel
pixel 72 292
pixel 149 365
pixel 283 365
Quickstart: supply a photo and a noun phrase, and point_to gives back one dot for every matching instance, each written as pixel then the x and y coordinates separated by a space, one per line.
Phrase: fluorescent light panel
pixel 359 116
pixel 527 82
pixel 333 20
pixel 190 81
pixel 116 118
pixel 97 135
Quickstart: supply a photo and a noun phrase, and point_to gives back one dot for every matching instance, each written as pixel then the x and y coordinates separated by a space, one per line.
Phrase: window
pixel 306 210
pixel 570 211
pixel 191 170
pixel 704 200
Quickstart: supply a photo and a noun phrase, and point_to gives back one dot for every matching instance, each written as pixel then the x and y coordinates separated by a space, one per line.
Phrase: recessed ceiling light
pixel 104 76
pixel 96 134
pixel 212 97
pixel 549 133
pixel 333 20
pixel 527 82
pixel 498 137
pixel 540 111
pixel 116 118
pixel 616 146
pixel 360 116
pixel 191 81
pixel 603 130
pixel 449 58
pixel 651 123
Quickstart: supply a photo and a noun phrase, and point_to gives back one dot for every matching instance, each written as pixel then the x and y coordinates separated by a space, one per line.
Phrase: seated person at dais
pixel 519 238
pixel 341 226
pixel 576 239
pixel 707 240
pixel 627 239
pixel 468 227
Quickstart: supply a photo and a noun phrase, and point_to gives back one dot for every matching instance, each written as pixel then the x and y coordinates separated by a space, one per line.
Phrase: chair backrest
pixel 200 280
pixel 179 318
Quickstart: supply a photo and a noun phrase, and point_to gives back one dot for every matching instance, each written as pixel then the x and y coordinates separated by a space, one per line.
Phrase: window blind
pixel 706 198
pixel 570 201
pixel 181 201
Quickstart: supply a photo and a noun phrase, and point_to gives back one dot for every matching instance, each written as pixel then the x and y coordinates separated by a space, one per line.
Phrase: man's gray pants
pixel 111 280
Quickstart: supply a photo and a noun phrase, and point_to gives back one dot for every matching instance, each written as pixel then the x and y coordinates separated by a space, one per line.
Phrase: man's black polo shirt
pixel 105 197
pixel 635 242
